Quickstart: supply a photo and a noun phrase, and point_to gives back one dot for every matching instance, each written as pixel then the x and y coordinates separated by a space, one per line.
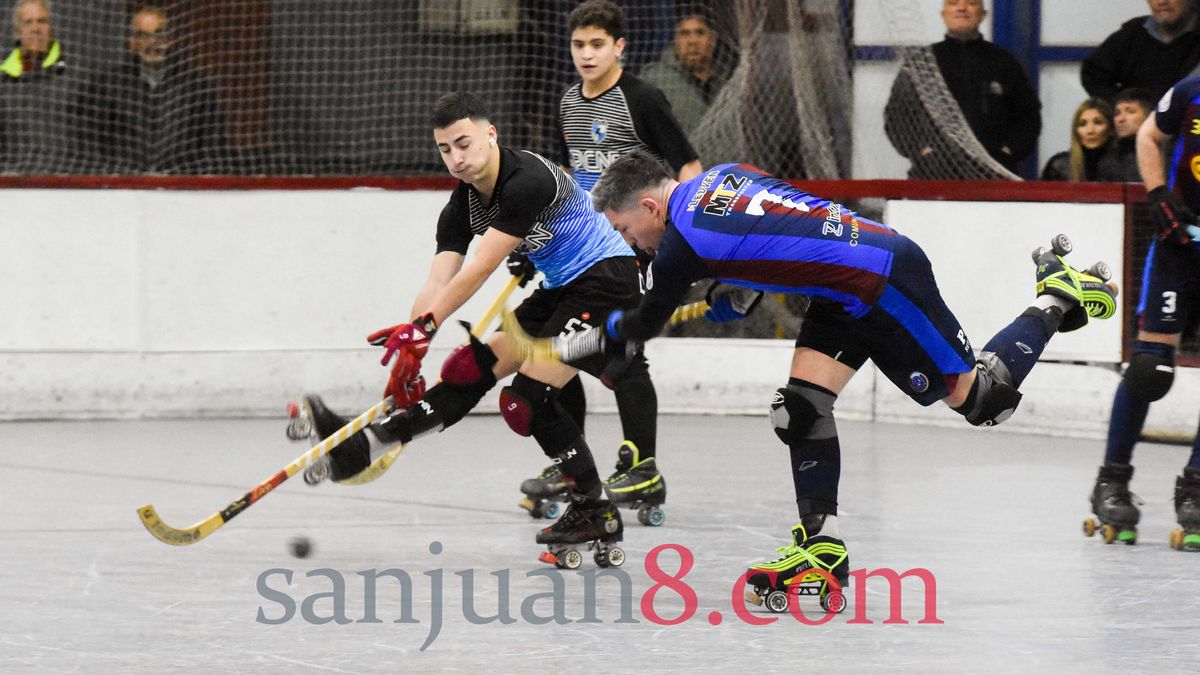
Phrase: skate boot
pixel 356 460
pixel 594 523
pixel 637 484
pixel 1187 511
pixel 543 494
pixel 1114 506
pixel 1089 293
pixel 815 546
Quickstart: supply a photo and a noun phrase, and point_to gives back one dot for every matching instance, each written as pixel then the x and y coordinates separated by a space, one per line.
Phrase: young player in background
pixel 1167 306
pixel 605 115
pixel 874 297
pixel 513 200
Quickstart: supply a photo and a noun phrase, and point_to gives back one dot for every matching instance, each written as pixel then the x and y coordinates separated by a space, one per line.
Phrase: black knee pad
pixel 802 411
pixel 993 397
pixel 1151 371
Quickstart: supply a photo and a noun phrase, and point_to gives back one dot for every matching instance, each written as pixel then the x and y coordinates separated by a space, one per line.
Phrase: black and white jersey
pixel 632 115
pixel 536 201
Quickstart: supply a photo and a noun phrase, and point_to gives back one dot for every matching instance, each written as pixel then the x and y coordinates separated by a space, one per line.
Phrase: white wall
pixel 126 304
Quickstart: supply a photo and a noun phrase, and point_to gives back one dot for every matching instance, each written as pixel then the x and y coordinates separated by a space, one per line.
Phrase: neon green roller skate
pixel 637 484
pixel 815 546
pixel 1090 291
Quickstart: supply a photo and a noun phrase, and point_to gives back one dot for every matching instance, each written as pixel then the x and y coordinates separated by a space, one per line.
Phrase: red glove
pixel 412 338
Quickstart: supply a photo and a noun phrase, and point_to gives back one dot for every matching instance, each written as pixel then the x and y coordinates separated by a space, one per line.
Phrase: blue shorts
pixel 1170 288
pixel 909 333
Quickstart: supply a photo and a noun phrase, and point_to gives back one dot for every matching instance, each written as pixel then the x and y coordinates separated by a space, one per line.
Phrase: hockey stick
pixel 177 537
pixel 553 349
pixel 385 460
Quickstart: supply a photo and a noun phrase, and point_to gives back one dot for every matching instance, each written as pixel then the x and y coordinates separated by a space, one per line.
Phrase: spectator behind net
pixel 37 53
pixel 1119 164
pixel 1091 138
pixel 155 113
pixel 990 87
pixel 692 69
pixel 1152 52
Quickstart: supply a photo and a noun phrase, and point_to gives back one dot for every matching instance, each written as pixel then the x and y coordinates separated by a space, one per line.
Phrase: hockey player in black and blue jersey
pixel 873 297
pixel 512 200
pixel 1169 304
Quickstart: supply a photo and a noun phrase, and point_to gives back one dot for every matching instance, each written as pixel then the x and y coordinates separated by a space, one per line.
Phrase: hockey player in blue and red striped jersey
pixel 873 297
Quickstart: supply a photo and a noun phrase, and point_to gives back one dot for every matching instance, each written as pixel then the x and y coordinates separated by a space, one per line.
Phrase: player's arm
pixel 675 268
pixel 494 247
pixel 656 124
pixel 1174 219
pixel 445 265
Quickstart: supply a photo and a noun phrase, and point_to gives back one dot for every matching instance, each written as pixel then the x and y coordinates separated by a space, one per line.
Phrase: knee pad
pixel 994 397
pixel 1151 371
pixel 800 412
pixel 522 401
pixel 469 363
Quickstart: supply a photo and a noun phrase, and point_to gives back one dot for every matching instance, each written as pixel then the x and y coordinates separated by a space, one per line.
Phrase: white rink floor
pixel 995 517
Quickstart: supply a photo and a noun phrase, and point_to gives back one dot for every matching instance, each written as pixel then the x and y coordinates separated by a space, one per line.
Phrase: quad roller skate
pixel 1090 291
pixel 544 493
pixel 353 462
pixel 637 484
pixel 1187 511
pixel 1115 506
pixel 815 545
pixel 594 524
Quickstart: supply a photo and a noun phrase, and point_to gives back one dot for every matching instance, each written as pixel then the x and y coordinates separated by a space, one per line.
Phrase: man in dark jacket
pixel 991 89
pixel 1152 52
pixel 154 114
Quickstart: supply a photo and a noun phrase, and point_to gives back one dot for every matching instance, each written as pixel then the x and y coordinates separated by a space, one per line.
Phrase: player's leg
pixel 825 359
pixel 530 408
pixel 468 373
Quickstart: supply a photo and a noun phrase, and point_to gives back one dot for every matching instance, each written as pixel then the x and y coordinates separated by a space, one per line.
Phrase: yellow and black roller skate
pixel 1114 505
pixel 815 546
pixel 1187 511
pixel 594 524
pixel 637 484
pixel 544 493
pixel 1090 292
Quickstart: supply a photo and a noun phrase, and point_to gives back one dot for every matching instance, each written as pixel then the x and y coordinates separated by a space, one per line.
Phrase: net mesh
pixel 311 87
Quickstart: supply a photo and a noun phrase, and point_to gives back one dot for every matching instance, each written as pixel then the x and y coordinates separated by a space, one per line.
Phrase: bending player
pixel 608 113
pixel 515 200
pixel 874 297
pixel 1167 305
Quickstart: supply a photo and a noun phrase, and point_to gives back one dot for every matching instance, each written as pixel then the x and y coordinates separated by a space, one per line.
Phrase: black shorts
pixel 586 302
pixel 1170 289
pixel 909 333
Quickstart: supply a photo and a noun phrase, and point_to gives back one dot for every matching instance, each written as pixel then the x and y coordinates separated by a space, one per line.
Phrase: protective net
pixel 245 87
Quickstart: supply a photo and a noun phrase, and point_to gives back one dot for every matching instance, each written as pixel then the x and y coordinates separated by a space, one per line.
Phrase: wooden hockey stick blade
pixel 177 537
pixel 688 312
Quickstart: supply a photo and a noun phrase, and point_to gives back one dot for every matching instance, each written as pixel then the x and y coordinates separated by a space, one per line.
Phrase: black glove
pixel 520 266
pixel 1171 216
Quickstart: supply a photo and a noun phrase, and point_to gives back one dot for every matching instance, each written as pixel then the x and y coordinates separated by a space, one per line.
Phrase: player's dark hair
pixel 455 106
pixel 625 179
pixel 1138 95
pixel 600 14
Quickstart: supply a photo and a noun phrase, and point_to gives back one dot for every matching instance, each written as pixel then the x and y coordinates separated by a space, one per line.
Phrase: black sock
pixel 637 403
pixel 574 401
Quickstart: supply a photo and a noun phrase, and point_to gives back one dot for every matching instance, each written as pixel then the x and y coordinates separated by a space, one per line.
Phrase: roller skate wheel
pixel 1177 540
pixel 652 516
pixel 600 559
pixel 777 602
pixel 1101 271
pixel 1109 533
pixel 551 510
pixel 834 602
pixel 753 598
pixel 1127 537
pixel 1089 527
pixel 1038 253
pixel 616 557
pixel 570 559
pixel 1061 244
